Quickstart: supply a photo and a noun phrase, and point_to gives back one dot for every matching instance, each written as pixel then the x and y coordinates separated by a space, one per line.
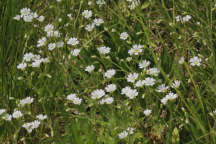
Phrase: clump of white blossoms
pixel 104 50
pixel 87 14
pixel 144 64
pixel 106 100
pixel 186 18
pixel 100 2
pixel 74 99
pixel 149 81
pixel 195 61
pixel 136 49
pixel 169 96
pixel 109 73
pixel 176 84
pixel 90 68
pixel 31 125
pixel 75 52
pixel 162 88
pixel 133 4
pixel 27 100
pixel 132 77
pixel 153 71
pixel 17 114
pixel 27 15
pixel 126 132
pixel 35 59
pixel 49 29
pixel 97 94
pixel 139 83
pixel 51 46
pixel 22 66
pixel 2 111
pixel 124 35
pixel 41 42
pixel 129 92
pixel 90 27
pixel 147 112
pixel 98 21
pixel 110 88
pixel 73 41
pixel 41 117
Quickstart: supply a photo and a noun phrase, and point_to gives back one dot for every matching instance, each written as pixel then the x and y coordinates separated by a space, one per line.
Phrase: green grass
pixel 189 119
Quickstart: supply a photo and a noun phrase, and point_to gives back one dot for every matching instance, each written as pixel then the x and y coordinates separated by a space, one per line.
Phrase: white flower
pixel 41 42
pixel 75 52
pixel 107 100
pixel 41 117
pixel 49 28
pixel 100 2
pixel 87 14
pixel 36 63
pixel 73 41
pixel 214 112
pixel 136 50
pixel 147 112
pixel 124 35
pixel 130 130
pixel 90 27
pixel 17 17
pixel 178 18
pixel 90 68
pixel 144 64
pixel 162 88
pixel 169 96
pixel 164 100
pixel 109 73
pixel 186 18
pixel 123 134
pixel 71 97
pixel 31 126
pixel 139 83
pixel 195 61
pixel 27 100
pixel 28 57
pixel 22 66
pixel 74 99
pixel 98 21
pixel 181 61
pixel 97 94
pixel 110 88
pixel 129 92
pixel 126 132
pixel 104 50
pixel 2 111
pixel 28 18
pixel 25 12
pixel 7 117
pixel 153 71
pixel 41 18
pixel 176 84
pixel 51 46
pixel 17 114
pixel 149 81
pixel 132 77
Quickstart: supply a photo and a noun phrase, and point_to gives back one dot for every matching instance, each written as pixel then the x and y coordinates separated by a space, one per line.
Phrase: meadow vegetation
pixel 107 72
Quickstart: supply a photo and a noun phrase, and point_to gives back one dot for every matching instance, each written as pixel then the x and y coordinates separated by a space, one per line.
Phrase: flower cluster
pixel 125 133
pixel 74 99
pixel 27 15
